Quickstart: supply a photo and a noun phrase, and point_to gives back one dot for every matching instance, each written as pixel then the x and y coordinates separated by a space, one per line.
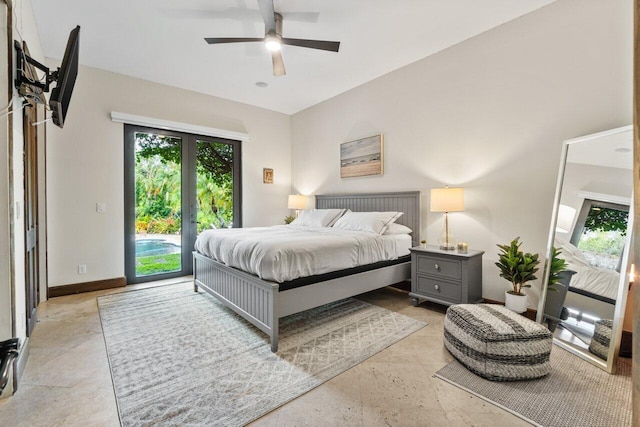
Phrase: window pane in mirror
pixel 603 236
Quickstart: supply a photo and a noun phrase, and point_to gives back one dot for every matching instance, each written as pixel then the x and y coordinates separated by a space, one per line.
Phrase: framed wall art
pixel 267 175
pixel 362 157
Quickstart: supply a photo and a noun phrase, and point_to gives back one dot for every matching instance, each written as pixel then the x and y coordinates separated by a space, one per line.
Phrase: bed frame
pixel 260 302
pixel 591 303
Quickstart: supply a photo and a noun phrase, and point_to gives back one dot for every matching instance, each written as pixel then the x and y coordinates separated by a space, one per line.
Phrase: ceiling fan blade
pixel 313 44
pixel 278 64
pixel 213 40
pixel 268 15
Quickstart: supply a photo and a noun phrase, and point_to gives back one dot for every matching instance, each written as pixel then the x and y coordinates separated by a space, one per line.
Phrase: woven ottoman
pixel 601 338
pixel 496 343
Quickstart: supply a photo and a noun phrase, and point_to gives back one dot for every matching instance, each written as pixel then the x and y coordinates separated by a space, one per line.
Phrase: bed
pixel 263 302
pixel 599 283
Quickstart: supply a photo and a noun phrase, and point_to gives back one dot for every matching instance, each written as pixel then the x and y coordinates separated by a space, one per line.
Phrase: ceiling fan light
pixel 273 43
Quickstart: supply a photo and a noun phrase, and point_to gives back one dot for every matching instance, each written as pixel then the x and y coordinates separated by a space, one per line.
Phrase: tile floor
pixel 67 381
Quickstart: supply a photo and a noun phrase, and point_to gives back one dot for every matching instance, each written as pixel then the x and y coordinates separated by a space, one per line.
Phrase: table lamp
pixel 297 202
pixel 565 218
pixel 447 200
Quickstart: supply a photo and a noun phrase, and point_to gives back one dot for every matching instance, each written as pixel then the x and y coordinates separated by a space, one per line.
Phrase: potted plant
pixel 518 268
pixel 289 219
pixel 423 243
pixel 557 267
pixel 559 278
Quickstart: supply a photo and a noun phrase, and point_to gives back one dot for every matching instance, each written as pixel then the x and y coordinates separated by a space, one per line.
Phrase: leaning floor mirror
pixel 583 301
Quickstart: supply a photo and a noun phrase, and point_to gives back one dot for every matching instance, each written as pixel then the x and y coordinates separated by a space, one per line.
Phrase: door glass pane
pixel 214 184
pixel 158 203
pixel 603 236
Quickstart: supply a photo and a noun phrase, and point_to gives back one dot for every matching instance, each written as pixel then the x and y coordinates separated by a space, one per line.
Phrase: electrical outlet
pixel 101 207
pixel 82 268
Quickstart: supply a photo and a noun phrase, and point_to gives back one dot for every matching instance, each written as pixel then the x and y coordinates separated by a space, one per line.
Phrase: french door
pixel 176 185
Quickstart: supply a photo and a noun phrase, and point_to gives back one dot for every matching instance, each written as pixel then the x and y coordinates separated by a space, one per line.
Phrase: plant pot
pixel 517 303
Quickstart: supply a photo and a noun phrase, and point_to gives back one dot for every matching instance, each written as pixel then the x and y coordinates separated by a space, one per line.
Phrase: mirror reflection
pixel 591 237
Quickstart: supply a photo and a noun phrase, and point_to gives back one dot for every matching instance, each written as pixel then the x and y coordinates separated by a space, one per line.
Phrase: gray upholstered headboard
pixel 407 202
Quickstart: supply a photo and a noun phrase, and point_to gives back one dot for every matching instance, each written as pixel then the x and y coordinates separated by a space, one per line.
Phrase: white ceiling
pixel 162 41
pixel 612 149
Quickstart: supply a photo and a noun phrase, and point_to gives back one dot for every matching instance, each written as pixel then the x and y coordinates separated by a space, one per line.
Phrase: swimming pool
pixel 149 247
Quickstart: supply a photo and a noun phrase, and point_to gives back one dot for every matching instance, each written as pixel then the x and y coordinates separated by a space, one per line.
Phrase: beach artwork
pixel 362 157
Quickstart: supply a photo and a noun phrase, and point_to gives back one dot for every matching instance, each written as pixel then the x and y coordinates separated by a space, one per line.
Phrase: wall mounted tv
pixel 64 77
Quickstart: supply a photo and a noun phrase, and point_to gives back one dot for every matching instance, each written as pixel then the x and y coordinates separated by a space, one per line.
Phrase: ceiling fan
pixel 273 38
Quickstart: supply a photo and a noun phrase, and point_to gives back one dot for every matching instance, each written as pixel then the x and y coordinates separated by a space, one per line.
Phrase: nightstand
pixel 445 277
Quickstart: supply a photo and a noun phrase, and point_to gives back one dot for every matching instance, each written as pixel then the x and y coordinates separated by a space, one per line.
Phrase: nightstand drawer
pixel 439 267
pixel 438 288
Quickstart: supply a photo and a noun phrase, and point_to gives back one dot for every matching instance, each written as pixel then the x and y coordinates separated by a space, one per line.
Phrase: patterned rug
pixel 182 358
pixel 575 393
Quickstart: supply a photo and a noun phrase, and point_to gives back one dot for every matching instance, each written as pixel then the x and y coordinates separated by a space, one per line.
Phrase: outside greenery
pixel 158 192
pixel 157 264
pixel 603 238
pixel 214 188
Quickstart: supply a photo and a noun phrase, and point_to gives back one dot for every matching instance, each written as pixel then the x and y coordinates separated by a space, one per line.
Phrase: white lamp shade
pixel 297 201
pixel 565 218
pixel 447 199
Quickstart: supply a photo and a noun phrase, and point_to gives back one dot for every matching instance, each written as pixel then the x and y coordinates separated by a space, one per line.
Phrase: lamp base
pixel 446 240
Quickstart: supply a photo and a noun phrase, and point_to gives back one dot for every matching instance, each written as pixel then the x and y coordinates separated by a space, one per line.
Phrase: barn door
pixel 32 281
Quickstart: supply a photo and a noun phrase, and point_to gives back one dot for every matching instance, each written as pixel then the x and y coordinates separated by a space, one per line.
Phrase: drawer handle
pixel 436 287
pixel 436 266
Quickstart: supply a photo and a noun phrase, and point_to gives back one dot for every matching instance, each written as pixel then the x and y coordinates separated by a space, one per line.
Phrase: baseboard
pixel 20 364
pixel 16 370
pixel 626 344
pixel 78 288
pixel 529 314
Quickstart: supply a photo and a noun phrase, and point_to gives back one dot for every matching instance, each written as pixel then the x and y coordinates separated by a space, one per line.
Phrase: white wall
pixel 5 241
pixel 489 114
pixel 85 166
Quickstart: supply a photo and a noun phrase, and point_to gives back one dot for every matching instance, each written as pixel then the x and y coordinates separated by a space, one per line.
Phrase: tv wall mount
pixel 21 78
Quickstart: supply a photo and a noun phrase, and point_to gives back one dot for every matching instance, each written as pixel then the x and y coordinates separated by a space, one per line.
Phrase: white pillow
pixel 318 217
pixel 337 217
pixel 373 222
pixel 394 228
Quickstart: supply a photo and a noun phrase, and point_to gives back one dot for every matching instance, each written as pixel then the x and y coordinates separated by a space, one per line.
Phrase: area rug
pixel 575 393
pixel 181 358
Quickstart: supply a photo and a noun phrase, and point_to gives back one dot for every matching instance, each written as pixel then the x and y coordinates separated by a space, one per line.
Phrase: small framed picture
pixel 362 157
pixel 267 175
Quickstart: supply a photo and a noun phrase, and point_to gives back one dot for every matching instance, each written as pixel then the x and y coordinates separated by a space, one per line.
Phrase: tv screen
pixel 67 73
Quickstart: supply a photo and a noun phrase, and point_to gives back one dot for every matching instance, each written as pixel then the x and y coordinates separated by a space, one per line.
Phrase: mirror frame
pixel 608 365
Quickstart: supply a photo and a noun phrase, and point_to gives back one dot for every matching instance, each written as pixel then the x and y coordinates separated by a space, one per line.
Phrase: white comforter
pixel 287 252
pixel 599 281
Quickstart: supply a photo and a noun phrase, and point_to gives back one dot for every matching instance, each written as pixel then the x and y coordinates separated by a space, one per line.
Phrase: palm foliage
pixel 159 180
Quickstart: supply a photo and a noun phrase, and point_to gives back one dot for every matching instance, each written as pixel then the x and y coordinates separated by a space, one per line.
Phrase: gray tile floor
pixel 67 381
